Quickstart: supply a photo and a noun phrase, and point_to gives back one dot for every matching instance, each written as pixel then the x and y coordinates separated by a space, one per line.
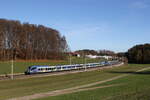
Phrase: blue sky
pixel 87 24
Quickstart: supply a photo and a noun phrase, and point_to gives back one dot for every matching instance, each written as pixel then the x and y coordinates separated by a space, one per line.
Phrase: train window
pixel 33 68
pixel 52 68
pixel 58 67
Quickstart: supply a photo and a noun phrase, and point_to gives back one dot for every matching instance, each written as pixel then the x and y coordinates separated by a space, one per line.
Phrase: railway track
pixel 22 75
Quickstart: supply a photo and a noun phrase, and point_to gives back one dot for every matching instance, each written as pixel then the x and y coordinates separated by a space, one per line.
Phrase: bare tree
pixel 30 41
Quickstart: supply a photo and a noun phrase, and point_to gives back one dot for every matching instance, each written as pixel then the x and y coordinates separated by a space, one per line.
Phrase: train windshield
pixel 33 68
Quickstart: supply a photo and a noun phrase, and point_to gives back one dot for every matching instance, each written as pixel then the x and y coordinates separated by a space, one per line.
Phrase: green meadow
pixel 134 86
pixel 23 87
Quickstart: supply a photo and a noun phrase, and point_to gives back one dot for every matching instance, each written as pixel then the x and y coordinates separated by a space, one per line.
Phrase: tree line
pixel 94 52
pixel 138 54
pixel 30 41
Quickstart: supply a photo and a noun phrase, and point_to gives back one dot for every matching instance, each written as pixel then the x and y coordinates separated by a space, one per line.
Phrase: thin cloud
pixel 139 4
pixel 90 29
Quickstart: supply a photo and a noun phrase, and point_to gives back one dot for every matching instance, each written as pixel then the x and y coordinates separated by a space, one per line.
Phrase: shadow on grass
pixel 131 72
pixel 137 95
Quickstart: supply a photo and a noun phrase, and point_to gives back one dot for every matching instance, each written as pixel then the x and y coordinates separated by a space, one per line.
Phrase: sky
pixel 115 25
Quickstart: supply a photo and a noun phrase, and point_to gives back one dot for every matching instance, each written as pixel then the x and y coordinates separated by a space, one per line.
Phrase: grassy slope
pixel 21 87
pixel 20 67
pixel 136 87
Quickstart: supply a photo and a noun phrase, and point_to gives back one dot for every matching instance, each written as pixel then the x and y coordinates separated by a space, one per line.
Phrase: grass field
pixel 135 86
pixel 20 66
pixel 22 87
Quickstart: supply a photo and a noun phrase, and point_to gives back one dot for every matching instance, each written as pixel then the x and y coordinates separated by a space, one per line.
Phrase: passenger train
pixel 46 68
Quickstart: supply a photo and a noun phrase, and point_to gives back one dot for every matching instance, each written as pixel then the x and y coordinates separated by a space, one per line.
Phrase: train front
pixel 27 72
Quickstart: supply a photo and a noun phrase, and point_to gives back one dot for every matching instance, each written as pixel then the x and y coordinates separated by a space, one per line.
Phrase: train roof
pixel 40 66
pixel 60 65
pixel 53 66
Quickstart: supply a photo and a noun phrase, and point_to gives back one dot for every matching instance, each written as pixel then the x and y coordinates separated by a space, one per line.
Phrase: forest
pixel 139 54
pixel 29 41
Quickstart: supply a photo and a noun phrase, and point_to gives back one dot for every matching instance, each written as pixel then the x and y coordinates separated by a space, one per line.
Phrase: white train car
pixel 45 68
